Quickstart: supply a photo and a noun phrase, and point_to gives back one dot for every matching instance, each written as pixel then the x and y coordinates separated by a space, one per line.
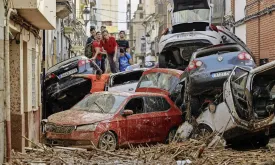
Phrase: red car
pixel 159 80
pixel 110 120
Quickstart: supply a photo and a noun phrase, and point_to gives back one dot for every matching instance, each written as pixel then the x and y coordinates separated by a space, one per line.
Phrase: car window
pixel 126 78
pixel 163 81
pixel 217 51
pixel 100 103
pixel 136 105
pixel 156 104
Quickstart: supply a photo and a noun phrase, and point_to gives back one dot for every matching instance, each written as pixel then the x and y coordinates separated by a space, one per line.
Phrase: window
pixel 141 15
pixel 107 23
pixel 130 77
pixel 163 81
pixel 136 105
pixel 156 104
pixel 100 103
pixel 34 71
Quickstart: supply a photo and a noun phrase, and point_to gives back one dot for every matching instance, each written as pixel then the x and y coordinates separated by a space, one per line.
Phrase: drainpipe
pixel 7 83
pixel 44 113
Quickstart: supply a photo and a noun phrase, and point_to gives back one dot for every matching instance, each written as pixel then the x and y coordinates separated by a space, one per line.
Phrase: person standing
pixel 88 47
pixel 103 28
pixel 122 42
pixel 98 52
pixel 125 60
pixel 99 80
pixel 109 44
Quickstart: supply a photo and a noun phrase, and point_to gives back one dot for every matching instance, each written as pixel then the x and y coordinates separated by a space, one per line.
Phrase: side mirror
pixel 128 112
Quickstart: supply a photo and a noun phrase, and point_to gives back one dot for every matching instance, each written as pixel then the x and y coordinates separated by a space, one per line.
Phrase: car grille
pixel 50 127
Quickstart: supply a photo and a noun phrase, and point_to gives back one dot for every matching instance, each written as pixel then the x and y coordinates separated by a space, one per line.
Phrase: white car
pixel 124 81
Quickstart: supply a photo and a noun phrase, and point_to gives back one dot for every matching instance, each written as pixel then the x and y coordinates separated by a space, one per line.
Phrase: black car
pixel 63 91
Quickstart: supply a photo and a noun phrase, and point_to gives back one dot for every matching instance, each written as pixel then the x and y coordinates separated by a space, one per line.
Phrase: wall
pixel 2 114
pixel 106 14
pixel 25 87
pixel 239 14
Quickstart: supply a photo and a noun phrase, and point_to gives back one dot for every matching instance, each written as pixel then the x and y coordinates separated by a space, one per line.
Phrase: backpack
pixel 89 50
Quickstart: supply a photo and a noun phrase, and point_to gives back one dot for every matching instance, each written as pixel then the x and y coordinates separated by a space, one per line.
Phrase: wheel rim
pixel 107 142
pixel 171 136
pixel 202 133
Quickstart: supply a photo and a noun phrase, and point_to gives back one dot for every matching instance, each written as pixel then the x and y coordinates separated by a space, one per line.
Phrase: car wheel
pixel 171 135
pixel 260 141
pixel 162 61
pixel 107 141
pixel 201 132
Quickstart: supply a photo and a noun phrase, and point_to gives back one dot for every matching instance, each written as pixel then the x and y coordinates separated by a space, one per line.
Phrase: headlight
pixel 148 63
pixel 90 127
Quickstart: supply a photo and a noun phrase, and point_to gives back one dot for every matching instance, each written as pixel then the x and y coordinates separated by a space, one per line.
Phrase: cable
pixel 108 16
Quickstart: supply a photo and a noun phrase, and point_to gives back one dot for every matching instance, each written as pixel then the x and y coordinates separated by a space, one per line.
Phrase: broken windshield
pixel 159 80
pixel 190 16
pixel 100 103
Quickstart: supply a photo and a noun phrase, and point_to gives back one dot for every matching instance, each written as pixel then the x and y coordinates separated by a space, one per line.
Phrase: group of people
pixel 104 51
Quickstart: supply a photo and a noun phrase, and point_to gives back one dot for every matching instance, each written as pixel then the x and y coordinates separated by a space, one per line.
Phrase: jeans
pixel 101 64
pixel 112 63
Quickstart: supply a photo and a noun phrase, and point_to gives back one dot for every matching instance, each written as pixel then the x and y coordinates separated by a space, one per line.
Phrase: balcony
pixel 63 8
pixel 40 13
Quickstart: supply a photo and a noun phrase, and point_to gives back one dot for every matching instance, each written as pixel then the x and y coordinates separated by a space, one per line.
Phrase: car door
pixel 235 94
pixel 136 124
pixel 157 109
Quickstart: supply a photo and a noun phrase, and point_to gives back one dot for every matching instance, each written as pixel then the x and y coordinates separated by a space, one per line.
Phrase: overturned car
pixel 245 111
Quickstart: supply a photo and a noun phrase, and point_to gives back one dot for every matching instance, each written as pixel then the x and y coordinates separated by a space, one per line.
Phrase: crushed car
pixel 209 68
pixel 124 81
pixel 245 112
pixel 161 80
pixel 110 120
pixel 62 91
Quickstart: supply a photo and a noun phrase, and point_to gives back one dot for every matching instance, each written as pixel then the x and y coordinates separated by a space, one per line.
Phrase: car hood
pixel 77 117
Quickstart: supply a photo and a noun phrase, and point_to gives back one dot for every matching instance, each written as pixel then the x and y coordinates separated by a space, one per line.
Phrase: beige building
pixel 107 15
pixel 20 70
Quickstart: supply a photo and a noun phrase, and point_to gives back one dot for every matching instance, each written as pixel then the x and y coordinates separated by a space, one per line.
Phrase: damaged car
pixel 110 120
pixel 245 111
pixel 63 91
pixel 124 81
pixel 209 68
pixel 161 80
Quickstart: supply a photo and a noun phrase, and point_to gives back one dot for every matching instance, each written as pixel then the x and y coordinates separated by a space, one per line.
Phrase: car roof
pixel 129 94
pixel 219 45
pixel 174 72
pixel 136 70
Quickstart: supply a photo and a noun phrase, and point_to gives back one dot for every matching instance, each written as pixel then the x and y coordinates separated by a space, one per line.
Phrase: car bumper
pixel 202 82
pixel 76 138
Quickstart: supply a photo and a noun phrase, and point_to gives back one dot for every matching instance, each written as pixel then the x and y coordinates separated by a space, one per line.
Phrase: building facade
pixel 253 23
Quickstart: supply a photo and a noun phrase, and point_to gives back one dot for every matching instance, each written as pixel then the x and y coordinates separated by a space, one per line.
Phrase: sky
pixel 122 14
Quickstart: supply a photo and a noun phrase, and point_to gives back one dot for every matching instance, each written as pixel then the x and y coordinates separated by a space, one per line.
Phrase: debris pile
pixel 189 152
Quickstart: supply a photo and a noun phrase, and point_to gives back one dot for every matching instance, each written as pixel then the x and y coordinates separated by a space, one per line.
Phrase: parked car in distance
pixel 124 81
pixel 246 112
pixel 115 119
pixel 210 67
pixel 62 91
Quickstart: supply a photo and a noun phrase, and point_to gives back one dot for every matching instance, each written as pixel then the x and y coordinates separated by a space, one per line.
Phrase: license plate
pixel 67 73
pixel 250 62
pixel 221 74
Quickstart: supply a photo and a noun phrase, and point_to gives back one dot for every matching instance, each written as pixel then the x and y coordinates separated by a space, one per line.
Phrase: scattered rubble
pixel 188 152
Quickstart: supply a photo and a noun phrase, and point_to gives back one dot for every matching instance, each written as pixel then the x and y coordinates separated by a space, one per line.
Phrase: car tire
pixel 162 62
pixel 171 135
pixel 195 106
pixel 107 141
pixel 201 131
pixel 260 141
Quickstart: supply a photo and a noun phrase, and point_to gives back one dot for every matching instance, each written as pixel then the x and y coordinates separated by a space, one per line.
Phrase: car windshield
pixel 189 16
pixel 163 81
pixel 100 103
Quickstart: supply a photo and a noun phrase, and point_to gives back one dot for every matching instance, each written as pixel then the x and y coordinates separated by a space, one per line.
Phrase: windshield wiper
pixel 101 109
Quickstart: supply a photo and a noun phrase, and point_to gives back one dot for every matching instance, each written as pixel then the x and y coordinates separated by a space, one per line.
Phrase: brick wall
pixel 261 31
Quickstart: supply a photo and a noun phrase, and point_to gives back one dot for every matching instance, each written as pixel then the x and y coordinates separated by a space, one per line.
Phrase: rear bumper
pixel 203 82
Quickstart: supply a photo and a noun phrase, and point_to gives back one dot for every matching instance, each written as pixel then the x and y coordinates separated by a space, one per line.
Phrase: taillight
pixel 214 28
pixel 50 76
pixel 244 56
pixel 194 65
pixel 81 63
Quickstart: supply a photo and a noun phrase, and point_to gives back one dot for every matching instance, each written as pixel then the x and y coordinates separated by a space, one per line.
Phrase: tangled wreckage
pixel 243 112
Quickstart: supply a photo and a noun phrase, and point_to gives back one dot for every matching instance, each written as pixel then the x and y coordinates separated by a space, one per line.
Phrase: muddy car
pixel 124 81
pixel 63 91
pixel 245 112
pixel 161 80
pixel 114 119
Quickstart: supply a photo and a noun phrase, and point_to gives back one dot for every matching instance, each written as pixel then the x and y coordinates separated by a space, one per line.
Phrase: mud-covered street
pixel 189 152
